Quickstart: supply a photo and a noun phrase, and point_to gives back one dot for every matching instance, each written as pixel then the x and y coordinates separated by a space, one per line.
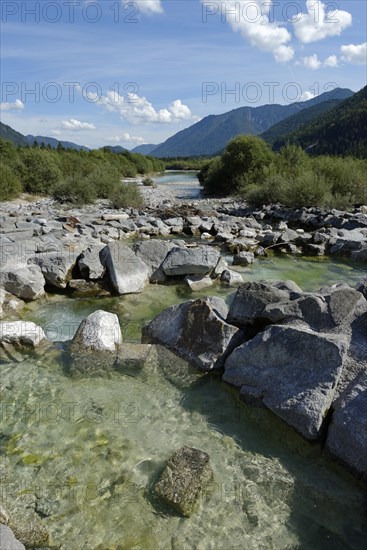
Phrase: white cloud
pixel 126 137
pixel 18 105
pixel 76 125
pixel 306 96
pixel 313 62
pixel 136 109
pixel 318 23
pixel 147 6
pixel 355 53
pixel 251 19
pixel 331 61
pixel 56 133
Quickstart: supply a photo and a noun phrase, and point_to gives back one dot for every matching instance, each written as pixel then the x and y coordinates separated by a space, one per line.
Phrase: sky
pixel 120 72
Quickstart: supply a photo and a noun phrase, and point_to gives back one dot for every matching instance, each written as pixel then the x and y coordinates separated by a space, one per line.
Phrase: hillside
pixel 212 133
pixel 6 132
pixel 277 133
pixel 341 131
pixel 145 149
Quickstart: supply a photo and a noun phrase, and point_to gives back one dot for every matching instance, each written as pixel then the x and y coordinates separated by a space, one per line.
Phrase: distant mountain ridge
pixel 145 149
pixel 54 143
pixel 211 134
pixel 8 133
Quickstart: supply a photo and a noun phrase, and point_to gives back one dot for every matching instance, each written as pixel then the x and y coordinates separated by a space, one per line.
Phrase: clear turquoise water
pixel 85 451
pixel 185 184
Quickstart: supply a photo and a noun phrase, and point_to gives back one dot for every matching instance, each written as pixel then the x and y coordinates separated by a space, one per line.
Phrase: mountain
pixel 211 134
pixel 145 149
pixel 6 132
pixel 54 143
pixel 340 131
pixel 276 134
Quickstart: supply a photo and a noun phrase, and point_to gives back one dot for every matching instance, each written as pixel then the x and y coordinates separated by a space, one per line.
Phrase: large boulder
pixel 25 282
pixel 196 331
pixel 250 301
pixel 90 264
pixel 184 478
pixel 9 304
pixel 57 267
pixel 347 435
pixel 153 253
pixel 100 331
pixel 128 273
pixel 292 371
pixel 191 261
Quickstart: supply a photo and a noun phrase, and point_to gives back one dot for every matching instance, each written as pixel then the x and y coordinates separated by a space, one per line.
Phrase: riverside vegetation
pixel 73 176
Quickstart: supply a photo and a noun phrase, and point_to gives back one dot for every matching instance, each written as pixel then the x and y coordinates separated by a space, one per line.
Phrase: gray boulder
pixel 25 282
pixel 153 253
pixel 362 287
pixel 344 304
pixel 21 333
pixel 244 258
pixel 9 304
pixel 184 478
pixel 90 264
pixel 292 371
pixel 231 278
pixel 128 273
pixel 196 331
pixel 191 261
pixel 347 435
pixel 100 331
pixel 56 267
pixel 250 301
pixel 198 282
pixel 8 540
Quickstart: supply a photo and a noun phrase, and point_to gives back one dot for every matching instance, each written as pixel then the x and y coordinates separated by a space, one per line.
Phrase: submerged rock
pixel 195 330
pixel 292 371
pixel 184 478
pixel 8 540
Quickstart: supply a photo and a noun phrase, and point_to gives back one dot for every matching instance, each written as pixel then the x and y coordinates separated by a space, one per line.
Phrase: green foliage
pixel 126 195
pixel 74 189
pixel 40 170
pixel 104 179
pixel 244 162
pixel 10 186
pixel 148 182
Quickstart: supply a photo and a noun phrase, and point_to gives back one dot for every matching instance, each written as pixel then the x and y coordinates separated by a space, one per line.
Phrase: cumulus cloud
pixel 355 53
pixel 313 62
pixel 56 133
pixel 138 110
pixel 147 6
pixel 251 18
pixel 306 96
pixel 126 137
pixel 18 105
pixel 318 23
pixel 76 125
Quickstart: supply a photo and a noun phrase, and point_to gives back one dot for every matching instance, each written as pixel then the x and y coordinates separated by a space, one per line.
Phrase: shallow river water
pixel 85 451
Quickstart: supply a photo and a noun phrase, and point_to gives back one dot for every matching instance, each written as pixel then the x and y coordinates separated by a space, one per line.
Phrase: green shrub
pixel 127 195
pixel 75 189
pixel 10 186
pixel 104 179
pixel 41 170
pixel 148 182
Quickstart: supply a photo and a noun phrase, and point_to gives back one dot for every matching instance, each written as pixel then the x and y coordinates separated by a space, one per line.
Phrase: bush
pixel 75 189
pixel 148 182
pixel 126 195
pixel 41 170
pixel 104 179
pixel 10 186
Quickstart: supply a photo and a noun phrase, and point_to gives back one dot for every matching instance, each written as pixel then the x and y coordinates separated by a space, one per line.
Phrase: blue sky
pixel 99 72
